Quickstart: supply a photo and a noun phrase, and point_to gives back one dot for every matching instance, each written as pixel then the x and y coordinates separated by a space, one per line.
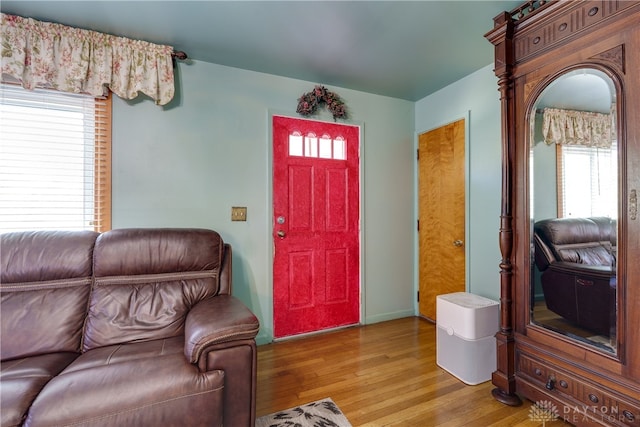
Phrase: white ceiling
pixel 401 49
pixel 582 90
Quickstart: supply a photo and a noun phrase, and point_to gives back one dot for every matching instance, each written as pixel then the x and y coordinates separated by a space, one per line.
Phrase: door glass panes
pixel 295 144
pixel 339 149
pixel 325 147
pixel 312 146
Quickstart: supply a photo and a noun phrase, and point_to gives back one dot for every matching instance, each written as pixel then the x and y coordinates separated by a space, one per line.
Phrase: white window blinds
pixel 588 178
pixel 55 160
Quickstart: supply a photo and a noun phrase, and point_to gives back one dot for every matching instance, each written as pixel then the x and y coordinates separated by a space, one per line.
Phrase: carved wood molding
pixel 613 56
pixel 527 8
pixel 537 39
pixel 528 87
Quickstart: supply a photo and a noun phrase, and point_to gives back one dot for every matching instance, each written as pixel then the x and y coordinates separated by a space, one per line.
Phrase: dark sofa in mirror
pixel 576 261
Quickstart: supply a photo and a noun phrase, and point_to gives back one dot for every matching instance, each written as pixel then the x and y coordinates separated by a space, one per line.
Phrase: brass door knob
pixel 457 243
pixel 281 234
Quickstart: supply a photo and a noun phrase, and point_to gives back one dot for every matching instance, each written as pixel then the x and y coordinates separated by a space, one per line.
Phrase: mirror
pixel 574 208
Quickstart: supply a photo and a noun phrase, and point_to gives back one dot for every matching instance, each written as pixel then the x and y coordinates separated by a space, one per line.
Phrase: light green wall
pixel 544 176
pixel 475 98
pixel 188 163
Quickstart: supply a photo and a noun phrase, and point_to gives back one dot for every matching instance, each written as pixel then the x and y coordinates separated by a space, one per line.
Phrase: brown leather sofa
pixel 577 259
pixel 132 327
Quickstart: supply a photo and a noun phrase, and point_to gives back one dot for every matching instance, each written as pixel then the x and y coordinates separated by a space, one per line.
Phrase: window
pixel 55 160
pixel 311 146
pixel 587 178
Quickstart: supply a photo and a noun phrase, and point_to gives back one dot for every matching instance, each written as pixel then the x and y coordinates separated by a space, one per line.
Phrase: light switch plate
pixel 238 213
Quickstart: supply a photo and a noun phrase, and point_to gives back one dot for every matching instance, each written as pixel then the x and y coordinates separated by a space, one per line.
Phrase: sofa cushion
pixel 146 390
pixel 22 379
pixel 140 251
pixel 58 255
pixel 119 353
pixel 41 269
pixel 578 240
pixel 146 281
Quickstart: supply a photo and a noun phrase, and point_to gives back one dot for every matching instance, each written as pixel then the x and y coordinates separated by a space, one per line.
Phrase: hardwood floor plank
pixel 383 374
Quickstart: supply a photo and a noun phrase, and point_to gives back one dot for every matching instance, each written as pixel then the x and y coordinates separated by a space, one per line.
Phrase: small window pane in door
pixel 339 152
pixel 325 147
pixel 311 145
pixel 295 144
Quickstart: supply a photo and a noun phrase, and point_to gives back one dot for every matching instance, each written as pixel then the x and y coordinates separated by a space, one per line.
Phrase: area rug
pixel 321 413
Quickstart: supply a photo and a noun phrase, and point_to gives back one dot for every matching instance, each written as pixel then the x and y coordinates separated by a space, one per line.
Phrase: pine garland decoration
pixel 308 103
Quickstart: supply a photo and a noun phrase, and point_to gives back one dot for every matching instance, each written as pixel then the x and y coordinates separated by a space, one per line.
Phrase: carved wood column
pixel 504 376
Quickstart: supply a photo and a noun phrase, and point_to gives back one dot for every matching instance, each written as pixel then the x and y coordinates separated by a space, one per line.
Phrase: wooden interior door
pixel 441 214
pixel 316 277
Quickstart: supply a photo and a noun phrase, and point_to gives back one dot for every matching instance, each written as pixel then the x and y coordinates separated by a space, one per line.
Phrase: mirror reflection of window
pixel 587 181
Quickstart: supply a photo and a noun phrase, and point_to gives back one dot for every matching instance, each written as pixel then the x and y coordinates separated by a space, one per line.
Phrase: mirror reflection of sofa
pixel 577 259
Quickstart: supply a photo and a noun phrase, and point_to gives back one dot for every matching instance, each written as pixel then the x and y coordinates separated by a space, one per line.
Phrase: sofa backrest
pixel 579 240
pixel 146 281
pixel 44 287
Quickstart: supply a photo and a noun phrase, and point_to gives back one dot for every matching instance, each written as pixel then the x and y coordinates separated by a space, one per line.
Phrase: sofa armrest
pixel 218 319
pixel 594 272
pixel 543 255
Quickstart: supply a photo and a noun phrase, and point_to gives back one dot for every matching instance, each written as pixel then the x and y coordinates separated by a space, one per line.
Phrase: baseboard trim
pixel 265 338
pixel 388 316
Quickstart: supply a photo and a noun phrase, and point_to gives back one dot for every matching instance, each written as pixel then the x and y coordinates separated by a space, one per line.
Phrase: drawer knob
pixel 563 384
pixel 551 383
pixel 629 415
pixel 593 398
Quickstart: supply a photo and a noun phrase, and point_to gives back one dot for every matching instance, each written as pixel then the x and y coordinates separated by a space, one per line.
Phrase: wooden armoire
pixel 575 57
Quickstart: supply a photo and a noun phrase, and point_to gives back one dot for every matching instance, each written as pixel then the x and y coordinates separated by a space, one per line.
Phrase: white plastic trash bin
pixel 465 342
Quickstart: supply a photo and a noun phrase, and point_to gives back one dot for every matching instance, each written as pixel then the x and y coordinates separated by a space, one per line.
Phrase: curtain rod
pixel 541 110
pixel 178 54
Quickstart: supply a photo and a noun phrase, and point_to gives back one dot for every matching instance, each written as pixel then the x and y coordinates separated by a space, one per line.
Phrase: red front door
pixel 316 210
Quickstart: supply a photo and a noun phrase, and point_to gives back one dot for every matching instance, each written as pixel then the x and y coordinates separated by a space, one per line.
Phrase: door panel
pixel 316 277
pixel 441 192
pixel 301 295
pixel 337 184
pixel 300 198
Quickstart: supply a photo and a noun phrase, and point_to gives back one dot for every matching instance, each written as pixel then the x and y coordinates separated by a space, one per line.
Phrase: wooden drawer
pixel 582 400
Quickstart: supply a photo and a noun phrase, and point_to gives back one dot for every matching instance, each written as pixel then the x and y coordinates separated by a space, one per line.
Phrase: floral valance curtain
pixel 55 56
pixel 570 127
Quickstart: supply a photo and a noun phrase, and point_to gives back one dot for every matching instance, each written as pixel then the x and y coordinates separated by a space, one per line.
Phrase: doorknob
pixel 457 243
pixel 281 234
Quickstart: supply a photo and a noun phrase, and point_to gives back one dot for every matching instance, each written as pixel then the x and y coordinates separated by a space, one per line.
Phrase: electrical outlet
pixel 238 213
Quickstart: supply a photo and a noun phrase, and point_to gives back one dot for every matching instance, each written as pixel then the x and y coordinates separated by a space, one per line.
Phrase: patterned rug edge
pixel 322 412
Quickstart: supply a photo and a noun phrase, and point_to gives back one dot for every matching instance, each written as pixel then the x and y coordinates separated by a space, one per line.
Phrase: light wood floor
pixel 545 317
pixel 383 374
